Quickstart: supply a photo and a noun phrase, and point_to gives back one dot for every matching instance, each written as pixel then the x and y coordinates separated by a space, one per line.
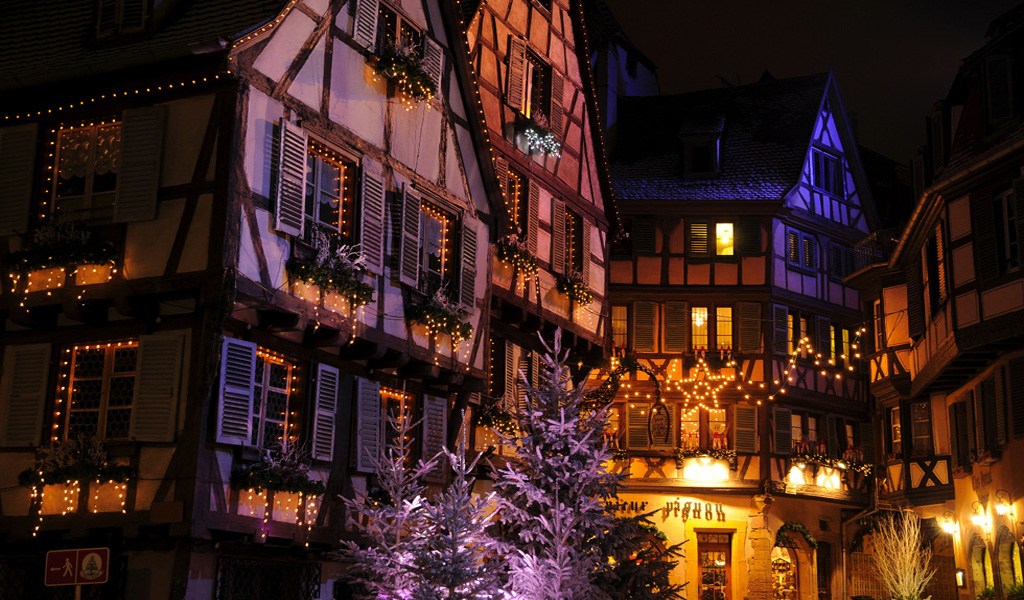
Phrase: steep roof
pixel 47 41
pixel 766 128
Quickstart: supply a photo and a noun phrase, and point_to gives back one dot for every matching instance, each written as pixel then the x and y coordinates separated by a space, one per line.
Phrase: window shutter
pixel 523 378
pixel 1016 371
pixel 972 445
pixel 808 249
pixel 699 238
pixel 142 142
pixel 745 436
pixel 467 277
pixel 157 387
pixel 985 237
pixel 558 236
pixel 783 431
pixel 831 437
pixel 915 298
pixel 557 114
pixel 954 442
pixel 25 382
pixel 17 156
pixel 516 69
pixel 940 253
pixel 824 337
pixel 371 219
pixel 677 326
pixel 365 30
pixel 535 363
pixel 835 261
pixel 237 374
pixel 433 62
pixel 750 237
pixel 501 172
pixel 291 179
pixel 410 270
pixel 867 443
pixel 638 437
pixel 533 217
pixel 368 425
pixel 849 261
pixel 793 247
pixel 644 235
pixel 435 417
pixel 999 397
pixel 325 402
pixel 133 15
pixel 587 231
pixel 511 377
pixel 643 326
pixel 750 327
pixel 780 322
pixel 106 17
pixel 1018 196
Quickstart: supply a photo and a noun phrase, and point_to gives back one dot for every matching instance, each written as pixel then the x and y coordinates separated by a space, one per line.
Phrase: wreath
pixel 782 535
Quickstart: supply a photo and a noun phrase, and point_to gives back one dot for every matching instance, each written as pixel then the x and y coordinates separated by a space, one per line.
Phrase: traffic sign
pixel 77 567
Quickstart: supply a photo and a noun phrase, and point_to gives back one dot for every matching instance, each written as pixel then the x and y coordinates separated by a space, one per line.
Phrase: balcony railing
pixel 876 248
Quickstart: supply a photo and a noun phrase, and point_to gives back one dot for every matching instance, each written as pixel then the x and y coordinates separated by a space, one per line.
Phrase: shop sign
pixel 77 567
pixel 694 510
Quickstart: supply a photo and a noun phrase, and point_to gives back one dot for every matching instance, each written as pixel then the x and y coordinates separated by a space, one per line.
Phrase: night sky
pixel 892 58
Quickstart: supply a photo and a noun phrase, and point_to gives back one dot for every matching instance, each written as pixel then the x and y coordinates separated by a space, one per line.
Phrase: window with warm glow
pixel 330 194
pixel 100 389
pixel 436 247
pixel 921 427
pixel 88 160
pixel 689 428
pixel 699 327
pixel 274 422
pixel 797 425
pixel 396 403
pixel 724 239
pixel 723 327
pixel 620 326
pixel 393 29
pixel 717 427
pixel 812 429
pixel 536 87
pixel 801 250
pixel 896 431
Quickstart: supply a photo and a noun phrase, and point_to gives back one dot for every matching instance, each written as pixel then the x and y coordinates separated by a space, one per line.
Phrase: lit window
pixel 849 439
pixel 897 431
pixel 800 250
pixel 723 327
pixel 395 30
pixel 396 404
pixel 85 182
pixel 689 427
pixel 330 194
pixel 794 333
pixel 272 420
pixel 812 429
pixel 620 323
pixel 827 173
pixel 101 390
pixel 717 428
pixel 797 425
pixel 699 327
pixel 536 87
pixel 921 428
pixel 436 233
pixel 724 239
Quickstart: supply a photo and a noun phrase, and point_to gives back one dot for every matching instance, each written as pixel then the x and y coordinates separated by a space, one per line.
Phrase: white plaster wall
pixel 284 45
pixel 259 141
pixel 416 137
pixel 308 84
pixel 358 97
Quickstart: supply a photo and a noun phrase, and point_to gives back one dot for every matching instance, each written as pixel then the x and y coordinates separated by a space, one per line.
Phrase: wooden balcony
pixel 652 470
pixel 890 376
pixel 918 480
pixel 797 477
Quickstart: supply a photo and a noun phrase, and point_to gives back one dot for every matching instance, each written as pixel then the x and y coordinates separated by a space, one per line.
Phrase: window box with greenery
pixel 515 252
pixel 537 135
pixel 57 249
pixel 575 288
pixel 336 268
pixel 441 315
pixel 279 480
pixel 402 65
pixel 61 469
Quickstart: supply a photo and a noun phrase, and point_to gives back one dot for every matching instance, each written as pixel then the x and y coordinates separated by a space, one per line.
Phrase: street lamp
pixel 948 523
pixel 1003 506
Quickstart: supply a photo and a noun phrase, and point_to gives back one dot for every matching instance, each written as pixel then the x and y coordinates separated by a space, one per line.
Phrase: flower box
pixel 108 496
pixel 252 503
pixel 59 499
pixel 46 279
pixel 90 274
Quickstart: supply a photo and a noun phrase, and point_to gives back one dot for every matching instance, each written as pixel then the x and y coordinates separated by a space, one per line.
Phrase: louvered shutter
pixel 558 236
pixel 835 261
pixel 291 179
pixel 142 142
pixel 810 260
pixel 783 431
pixel 557 114
pixel 793 247
pixel 750 237
pixel 954 441
pixel 867 443
pixel 940 265
pixel 699 239
pixel 824 337
pixel 325 407
pixel 750 327
pixel 535 369
pixel 501 172
pixel 587 230
pixel 369 440
pixel 780 326
pixel 533 218
pixel 969 423
pixel 643 326
pixel 677 326
pixel 1018 196
pixel 516 69
pixel 17 156
pixel 365 30
pixel 25 383
pixel 467 276
pixel 371 216
pixel 433 62
pixel 985 237
pixel 915 298
pixel 849 261
pixel 106 18
pixel 832 436
pixel 410 252
pixel 237 376
pixel 435 418
pixel 644 235
pixel 523 379
pixel 133 15
pixel 157 387
pixel 745 428
pixel 999 397
pixel 511 377
pixel 1016 370
pixel 637 433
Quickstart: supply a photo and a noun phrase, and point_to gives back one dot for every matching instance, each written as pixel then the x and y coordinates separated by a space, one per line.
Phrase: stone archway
pixel 1008 559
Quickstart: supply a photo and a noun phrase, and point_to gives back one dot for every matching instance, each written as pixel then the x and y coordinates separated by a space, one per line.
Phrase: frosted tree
pixel 901 561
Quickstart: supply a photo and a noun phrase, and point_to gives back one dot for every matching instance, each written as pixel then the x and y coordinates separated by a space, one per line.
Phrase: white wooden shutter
pixel 291 179
pixel 371 217
pixel 750 327
pixel 368 425
pixel 410 252
pixel 25 381
pixel 142 142
pixel 467 277
pixel 532 217
pixel 556 118
pixel 325 407
pixel 433 61
pixel 523 379
pixel 587 230
pixel 237 376
pixel 509 395
pixel 558 236
pixel 677 326
pixel 365 30
pixel 435 418
pixel 17 155
pixel 516 71
pixel 643 326
pixel 745 428
pixel 158 387
pixel 783 431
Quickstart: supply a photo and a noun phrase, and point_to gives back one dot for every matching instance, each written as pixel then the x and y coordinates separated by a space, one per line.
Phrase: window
pixel 879 326
pixel 841 261
pixel 725 241
pixel 700 156
pixel 1007 244
pixel 88 162
pixel 536 88
pixel 396 404
pixel 101 390
pixel 330 194
pixel 393 29
pixel 119 17
pixel 804 428
pixel 620 323
pixel 896 431
pixel 273 420
pixel 703 429
pixel 797 421
pixel 723 327
pixel 800 250
pixel 921 428
pixel 698 242
pixel 699 338
pixel 436 242
pixel 935 270
pixel 827 173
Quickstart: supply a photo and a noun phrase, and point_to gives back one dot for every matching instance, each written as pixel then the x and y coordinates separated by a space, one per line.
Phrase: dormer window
pixel 120 17
pixel 998 89
pixel 827 173
pixel 700 156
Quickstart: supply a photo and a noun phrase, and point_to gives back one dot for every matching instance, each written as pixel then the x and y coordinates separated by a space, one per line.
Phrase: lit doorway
pixel 714 559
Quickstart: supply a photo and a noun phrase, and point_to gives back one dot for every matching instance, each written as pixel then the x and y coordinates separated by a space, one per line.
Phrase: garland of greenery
pixel 782 535
pixel 816 458
pixel 499 421
pixel 440 316
pixel 76 472
pixel 652 529
pixel 515 253
pixel 61 244
pixel 571 284
pixel 716 454
pixel 620 455
pixel 324 277
pixel 262 476
pixel 404 68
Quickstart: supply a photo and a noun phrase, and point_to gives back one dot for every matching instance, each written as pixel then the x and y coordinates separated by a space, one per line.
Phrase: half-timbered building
pixel 234 232
pixel 740 413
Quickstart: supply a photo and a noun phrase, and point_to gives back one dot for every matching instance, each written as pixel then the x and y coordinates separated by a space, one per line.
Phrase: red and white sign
pixel 77 567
